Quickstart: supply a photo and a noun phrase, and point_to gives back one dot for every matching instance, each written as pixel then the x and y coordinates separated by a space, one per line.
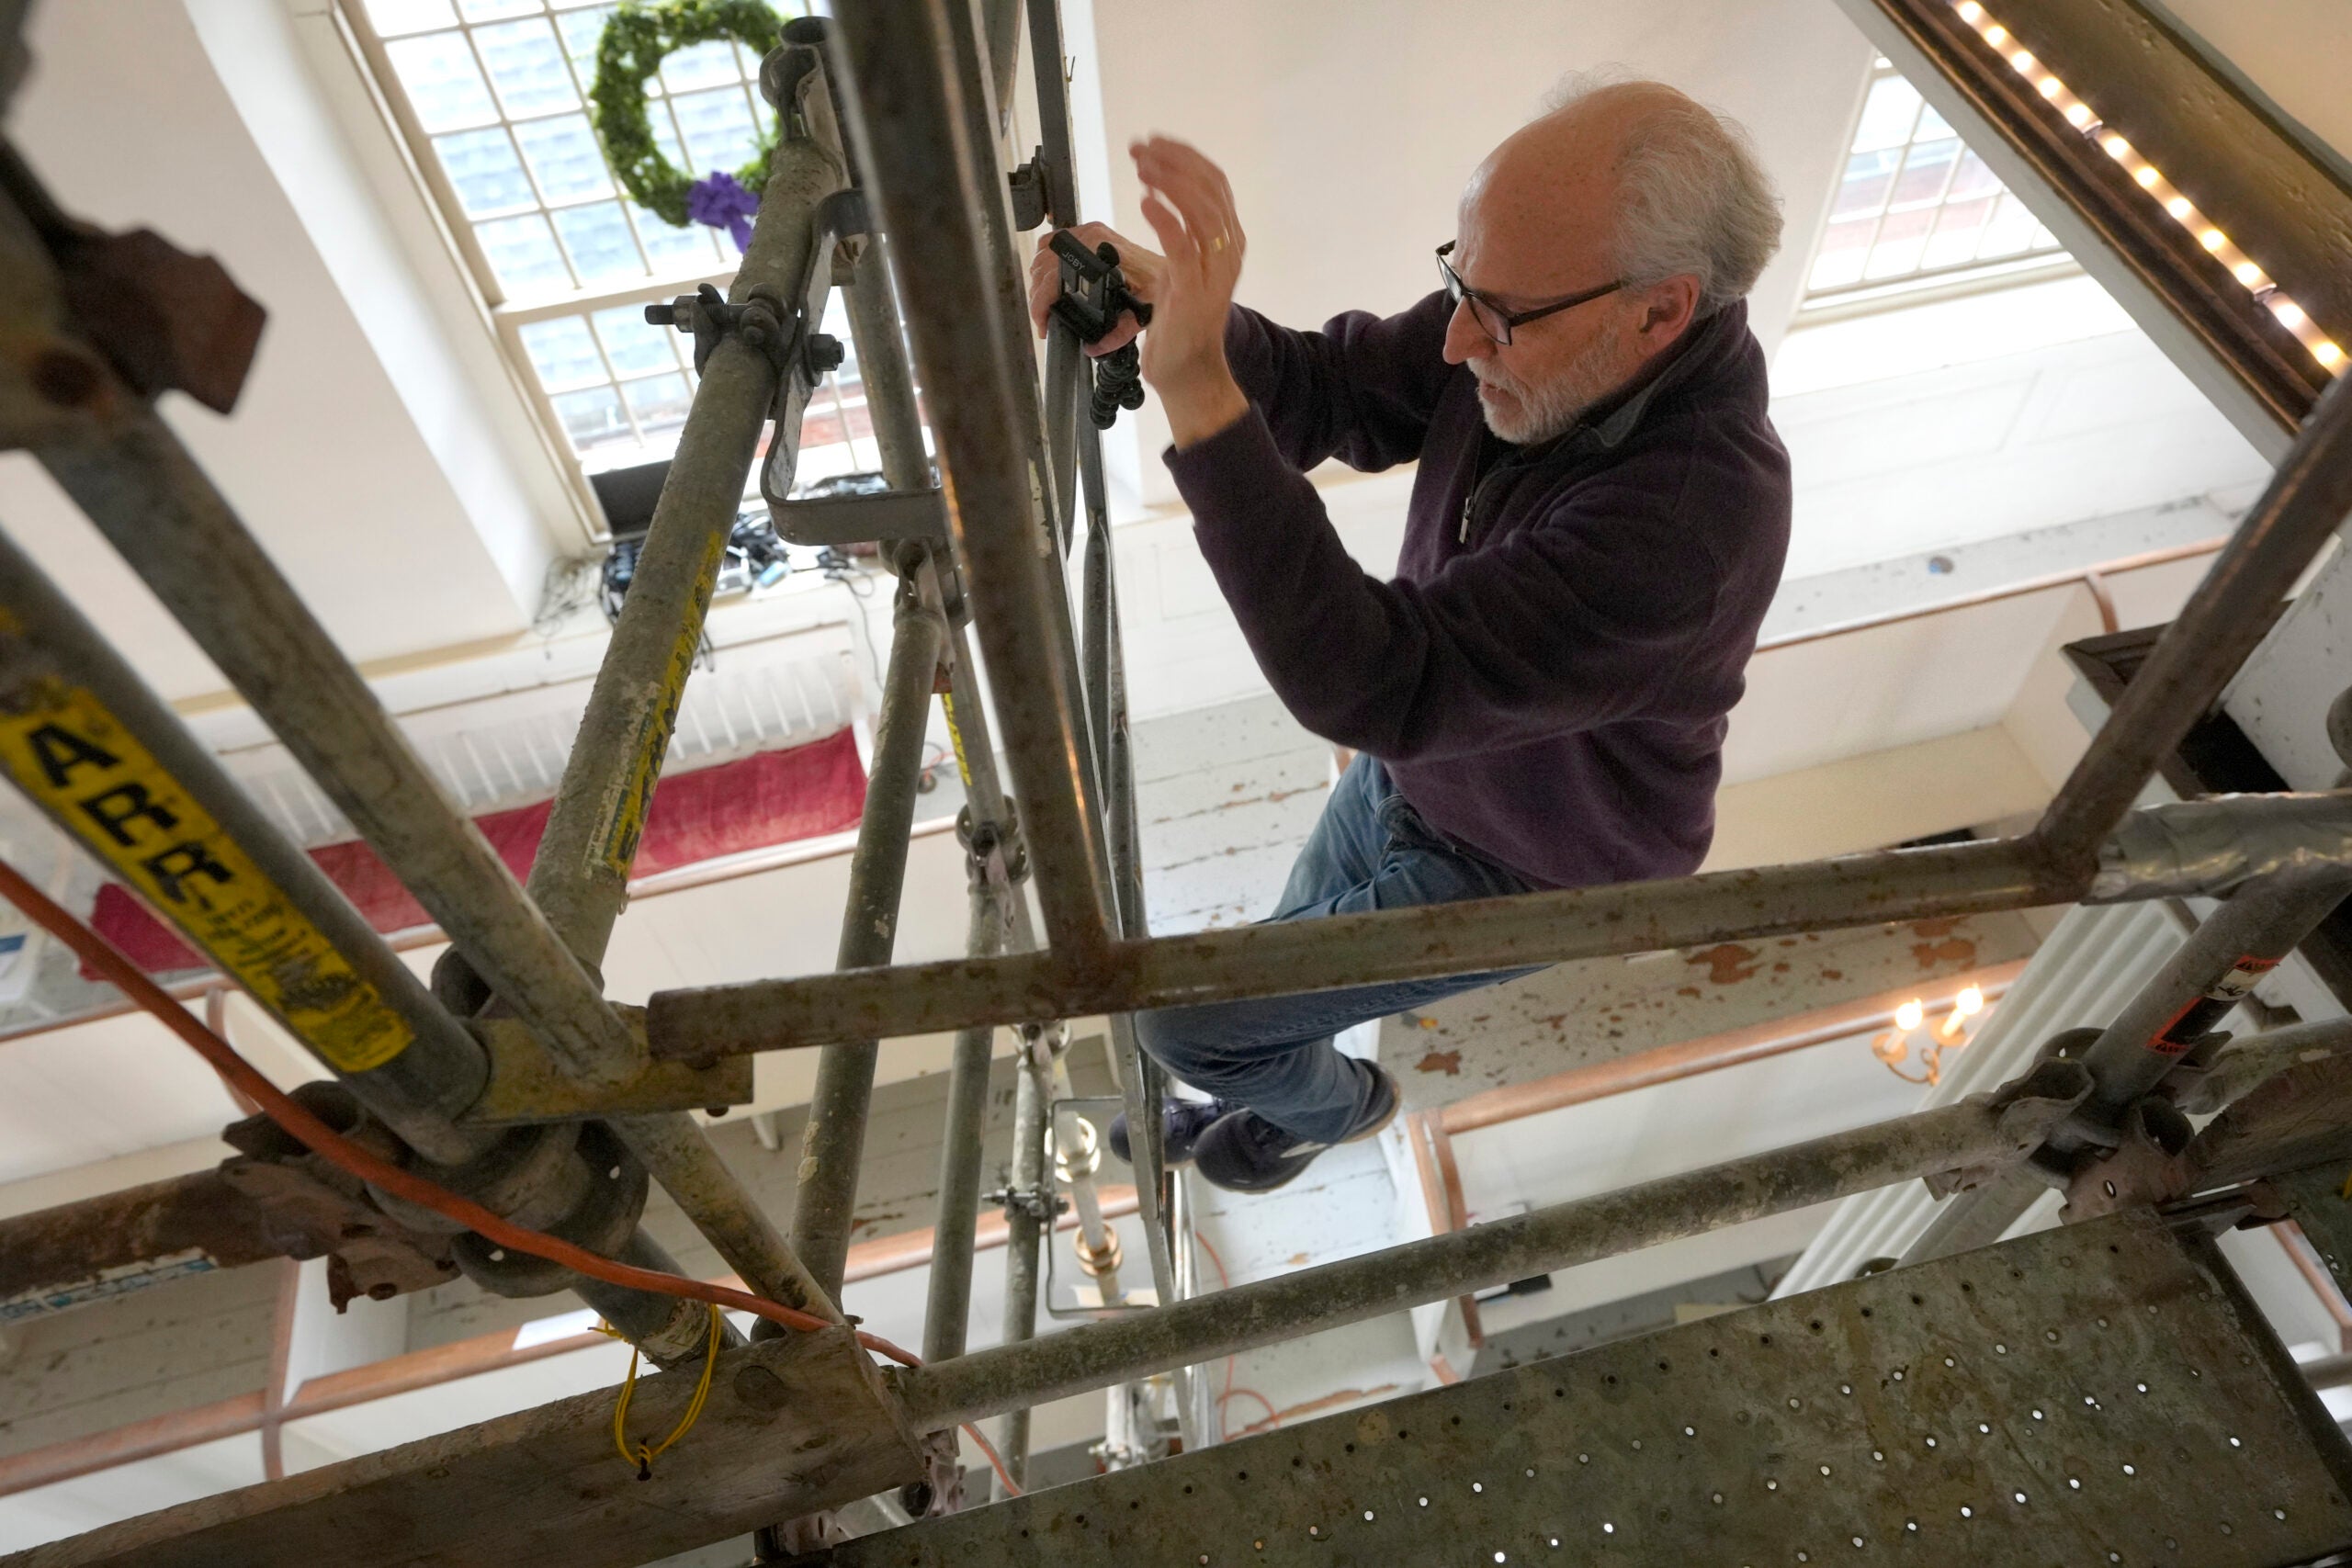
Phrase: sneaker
pixel 1245 1153
pixel 1182 1123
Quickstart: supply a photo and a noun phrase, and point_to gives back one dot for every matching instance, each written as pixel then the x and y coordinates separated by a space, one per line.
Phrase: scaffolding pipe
pixel 931 180
pixel 580 876
pixel 834 1141
pixel 2203 981
pixel 1141 1081
pixel 54 661
pixel 1000 27
pixel 2215 966
pixel 1142 1084
pixel 2307 499
pixel 1025 1229
pixel 159 509
pixel 947 1309
pixel 883 369
pixel 175 528
pixel 2249 836
pixel 1068 381
pixel 674 1332
pixel 1377 1284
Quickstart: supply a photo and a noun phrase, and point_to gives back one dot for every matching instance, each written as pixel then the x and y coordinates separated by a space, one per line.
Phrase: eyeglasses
pixel 1495 321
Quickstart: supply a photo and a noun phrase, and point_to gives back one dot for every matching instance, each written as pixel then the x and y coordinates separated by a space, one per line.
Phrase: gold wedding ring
pixel 1216 243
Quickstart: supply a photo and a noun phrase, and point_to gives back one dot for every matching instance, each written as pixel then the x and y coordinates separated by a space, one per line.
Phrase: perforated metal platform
pixel 2096 1395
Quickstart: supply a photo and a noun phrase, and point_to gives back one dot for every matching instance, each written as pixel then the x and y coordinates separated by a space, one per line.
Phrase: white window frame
pixel 1921 286
pixel 507 317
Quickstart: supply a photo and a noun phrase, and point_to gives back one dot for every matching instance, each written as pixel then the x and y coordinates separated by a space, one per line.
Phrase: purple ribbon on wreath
pixel 720 201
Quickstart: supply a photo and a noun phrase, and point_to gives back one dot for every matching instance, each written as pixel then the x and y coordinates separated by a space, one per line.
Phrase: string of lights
pixel 2148 177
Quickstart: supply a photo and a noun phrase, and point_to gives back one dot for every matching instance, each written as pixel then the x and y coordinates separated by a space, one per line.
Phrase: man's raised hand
pixel 1188 204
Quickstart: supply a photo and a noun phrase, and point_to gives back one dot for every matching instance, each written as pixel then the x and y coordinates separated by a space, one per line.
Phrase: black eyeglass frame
pixel 1482 307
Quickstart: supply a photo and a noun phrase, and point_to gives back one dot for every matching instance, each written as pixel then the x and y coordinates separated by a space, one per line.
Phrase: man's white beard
pixel 1538 413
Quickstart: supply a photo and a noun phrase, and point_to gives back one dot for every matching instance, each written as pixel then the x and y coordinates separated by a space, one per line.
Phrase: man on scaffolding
pixel 1538 698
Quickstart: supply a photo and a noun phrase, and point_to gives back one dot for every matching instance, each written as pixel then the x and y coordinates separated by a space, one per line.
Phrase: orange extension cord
pixel 331 1146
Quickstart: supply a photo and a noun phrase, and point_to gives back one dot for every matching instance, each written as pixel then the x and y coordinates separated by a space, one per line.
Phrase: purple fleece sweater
pixel 1547 676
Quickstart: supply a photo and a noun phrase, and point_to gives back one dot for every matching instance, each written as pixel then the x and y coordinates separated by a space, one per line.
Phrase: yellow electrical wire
pixel 645 1454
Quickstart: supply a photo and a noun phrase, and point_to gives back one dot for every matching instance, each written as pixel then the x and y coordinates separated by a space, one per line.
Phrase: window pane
pixel 599 241
pixel 1900 240
pixel 490 10
pixel 635 344
pixel 676 250
pixel 718 129
pixel 1932 126
pixel 1887 115
pixel 485 173
pixel 660 402
pixel 1868 177
pixel 580 31
pixel 593 419
pixel 1973 180
pixel 442 81
pixel 563 353
pixel 1842 250
pixel 527 66
pixel 704 65
pixel 1925 171
pixel 390 16
pixel 522 254
pixel 1959 226
pixel 565 157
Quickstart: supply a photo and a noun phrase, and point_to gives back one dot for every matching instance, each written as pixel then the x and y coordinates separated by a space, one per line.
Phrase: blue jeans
pixel 1369 851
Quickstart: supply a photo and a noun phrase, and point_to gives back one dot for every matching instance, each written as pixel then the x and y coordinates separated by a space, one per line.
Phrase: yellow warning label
pixel 955 738
pixel 624 822
pixel 66 750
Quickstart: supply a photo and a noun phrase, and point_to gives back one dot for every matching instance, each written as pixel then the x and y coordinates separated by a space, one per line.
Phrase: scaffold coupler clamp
pixel 1094 296
pixel 1036 1203
pixel 778 331
pixel 2027 1108
pixel 982 841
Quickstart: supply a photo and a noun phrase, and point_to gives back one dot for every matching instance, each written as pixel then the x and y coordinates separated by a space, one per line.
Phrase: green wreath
pixel 635 41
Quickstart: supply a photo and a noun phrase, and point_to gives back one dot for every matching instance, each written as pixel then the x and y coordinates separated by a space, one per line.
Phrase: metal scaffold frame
pixel 513 1079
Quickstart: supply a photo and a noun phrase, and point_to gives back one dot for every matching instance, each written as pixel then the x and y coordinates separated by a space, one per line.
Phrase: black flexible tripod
pixel 1095 295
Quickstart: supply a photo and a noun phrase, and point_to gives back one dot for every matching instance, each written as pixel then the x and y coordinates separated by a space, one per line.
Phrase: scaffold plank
pixel 2100 1394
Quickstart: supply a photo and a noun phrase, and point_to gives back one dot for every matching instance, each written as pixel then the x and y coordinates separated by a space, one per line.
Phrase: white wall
pixel 1348 127
pixel 360 497
pixel 1984 416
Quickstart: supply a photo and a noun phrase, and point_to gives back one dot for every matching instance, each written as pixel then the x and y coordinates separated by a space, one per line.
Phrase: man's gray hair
pixel 1692 197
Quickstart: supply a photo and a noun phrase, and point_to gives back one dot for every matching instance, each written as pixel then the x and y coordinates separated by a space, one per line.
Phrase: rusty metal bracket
pixel 308 1213
pixel 2144 1167
pixel 163 319
pixel 2035 1102
pixel 248 1211
pixel 526 1085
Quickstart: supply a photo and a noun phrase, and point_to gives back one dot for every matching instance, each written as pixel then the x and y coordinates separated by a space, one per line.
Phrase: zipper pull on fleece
pixel 1463 536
